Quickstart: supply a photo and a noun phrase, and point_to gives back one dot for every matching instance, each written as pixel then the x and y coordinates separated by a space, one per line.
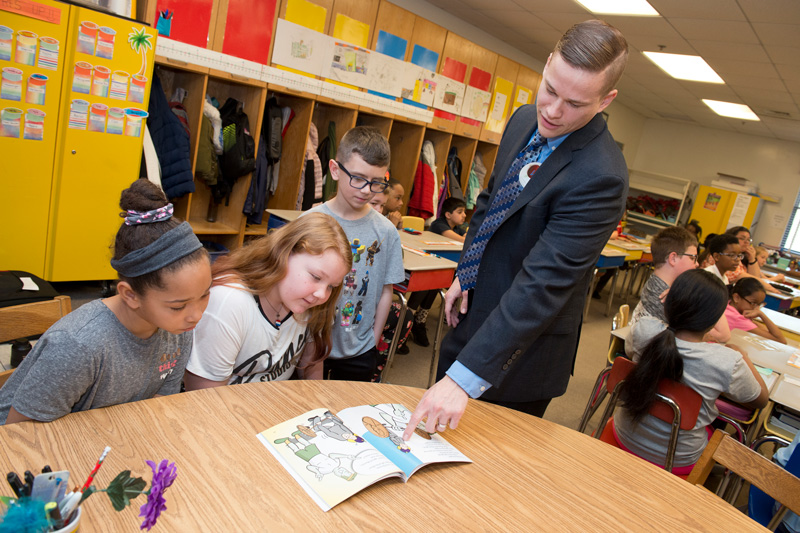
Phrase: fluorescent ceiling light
pixel 684 67
pixel 620 7
pixel 728 109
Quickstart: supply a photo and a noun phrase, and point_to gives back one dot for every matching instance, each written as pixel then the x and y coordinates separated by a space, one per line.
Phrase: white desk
pixel 790 325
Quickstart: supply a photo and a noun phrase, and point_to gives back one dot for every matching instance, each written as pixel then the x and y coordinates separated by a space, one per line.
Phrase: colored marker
pixel 96 468
pixel 16 483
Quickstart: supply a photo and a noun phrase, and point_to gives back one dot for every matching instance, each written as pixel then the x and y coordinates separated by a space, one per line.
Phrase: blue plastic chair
pixel 761 506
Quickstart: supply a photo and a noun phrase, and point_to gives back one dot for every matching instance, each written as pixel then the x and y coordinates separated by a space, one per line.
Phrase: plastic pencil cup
pixel 74 525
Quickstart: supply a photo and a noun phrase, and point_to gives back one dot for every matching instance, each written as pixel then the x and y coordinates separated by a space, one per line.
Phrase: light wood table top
pixel 288 215
pixel 431 242
pixel 528 474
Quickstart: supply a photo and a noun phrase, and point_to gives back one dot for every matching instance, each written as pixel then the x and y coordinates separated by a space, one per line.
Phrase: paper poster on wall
pixel 10 121
pixel 385 74
pixel 523 96
pixel 6 35
pixel 48 53
pixel 476 104
pixel 418 85
pixel 449 95
pixel 301 48
pixel 34 125
pixel 11 84
pixel 393 47
pixel 351 30
pixel 349 64
pixel 712 201
pixel 739 211
pixel 499 107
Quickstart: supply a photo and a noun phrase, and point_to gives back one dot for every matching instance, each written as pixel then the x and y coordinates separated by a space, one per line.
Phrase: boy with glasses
pixel 727 254
pixel 674 252
pixel 362 160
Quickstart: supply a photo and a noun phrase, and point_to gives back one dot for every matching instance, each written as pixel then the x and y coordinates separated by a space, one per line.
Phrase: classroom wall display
pixel 349 64
pixel 501 101
pixel 394 47
pixel 476 104
pixel 449 95
pixel 301 48
pixel 187 21
pixel 522 96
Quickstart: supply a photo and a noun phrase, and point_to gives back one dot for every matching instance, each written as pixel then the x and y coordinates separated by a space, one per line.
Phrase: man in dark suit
pixel 557 192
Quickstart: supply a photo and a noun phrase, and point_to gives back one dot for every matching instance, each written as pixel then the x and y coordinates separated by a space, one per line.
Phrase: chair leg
pixel 437 343
pixel 395 338
pixel 598 395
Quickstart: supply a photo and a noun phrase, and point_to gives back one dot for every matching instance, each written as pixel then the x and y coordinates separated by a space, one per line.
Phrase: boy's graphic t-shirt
pixel 235 341
pixel 377 261
pixel 87 360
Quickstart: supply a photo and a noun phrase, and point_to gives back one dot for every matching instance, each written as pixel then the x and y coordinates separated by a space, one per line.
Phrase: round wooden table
pixel 528 474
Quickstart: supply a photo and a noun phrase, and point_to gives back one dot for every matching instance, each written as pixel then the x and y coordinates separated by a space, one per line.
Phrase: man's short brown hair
pixel 366 141
pixel 668 240
pixel 595 46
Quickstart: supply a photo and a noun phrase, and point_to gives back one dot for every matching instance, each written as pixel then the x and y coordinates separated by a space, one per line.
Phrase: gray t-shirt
pixel 710 369
pixel 88 359
pixel 649 305
pixel 377 261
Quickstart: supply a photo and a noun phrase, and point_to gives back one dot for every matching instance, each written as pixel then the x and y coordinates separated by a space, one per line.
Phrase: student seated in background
pixel 133 345
pixel 694 228
pixel 677 351
pixel 362 159
pixel 674 252
pixel 450 221
pixel 394 202
pixel 727 254
pixel 746 301
pixel 449 224
pixel 761 259
pixel 271 307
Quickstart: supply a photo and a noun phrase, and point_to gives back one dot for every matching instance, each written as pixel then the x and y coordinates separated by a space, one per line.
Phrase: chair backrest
pixel 753 467
pixel 25 320
pixel 4 375
pixel 620 320
pixel 761 506
pixel 676 403
pixel 416 223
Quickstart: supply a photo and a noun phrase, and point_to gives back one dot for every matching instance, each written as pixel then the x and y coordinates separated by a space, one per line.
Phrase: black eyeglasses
pixel 357 182
pixel 762 304
pixel 733 255
pixel 693 256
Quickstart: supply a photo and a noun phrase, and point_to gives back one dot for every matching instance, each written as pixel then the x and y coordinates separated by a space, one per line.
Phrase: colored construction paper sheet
pixel 479 79
pixel 305 14
pixel 354 32
pixel 392 46
pixel 301 49
pixel 498 109
pixel 248 29
pixel 455 70
pixel 189 20
pixel 522 96
pixel 427 59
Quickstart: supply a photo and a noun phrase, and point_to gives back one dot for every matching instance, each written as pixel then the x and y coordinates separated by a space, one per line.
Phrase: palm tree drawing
pixel 140 42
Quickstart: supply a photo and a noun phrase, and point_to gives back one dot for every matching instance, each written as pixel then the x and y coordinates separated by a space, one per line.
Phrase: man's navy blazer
pixel 522 328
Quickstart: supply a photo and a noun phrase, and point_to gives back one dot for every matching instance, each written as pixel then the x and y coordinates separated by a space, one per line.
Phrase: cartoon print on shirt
pixel 347 314
pixel 364 283
pixel 371 251
pixel 357 315
pixel 357 248
pixel 350 283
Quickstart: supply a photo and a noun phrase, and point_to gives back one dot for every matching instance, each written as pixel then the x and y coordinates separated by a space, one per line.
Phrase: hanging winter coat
pixel 326 152
pixel 310 192
pixel 477 175
pixel 268 154
pixel 454 166
pixel 171 143
pixel 421 203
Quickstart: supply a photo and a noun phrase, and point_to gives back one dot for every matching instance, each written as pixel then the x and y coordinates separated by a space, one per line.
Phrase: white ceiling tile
pixel 699 9
pixel 722 50
pixel 781 11
pixel 562 21
pixel 784 55
pixel 715 30
pixel 660 43
pixel 760 94
pixel 494 4
pixel 769 84
pixel 655 26
pixel 711 91
pixel 562 6
pixel 778 34
pixel 516 19
pixel 728 67
pixel 788 72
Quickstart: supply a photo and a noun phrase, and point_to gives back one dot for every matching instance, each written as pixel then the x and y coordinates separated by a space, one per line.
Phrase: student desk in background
pixel 610 258
pixel 279 217
pixel 782 302
pixel 789 325
pixel 433 243
pixel 424 272
pixel 527 473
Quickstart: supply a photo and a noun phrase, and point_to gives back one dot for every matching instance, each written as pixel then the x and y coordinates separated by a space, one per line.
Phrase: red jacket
pixel 421 202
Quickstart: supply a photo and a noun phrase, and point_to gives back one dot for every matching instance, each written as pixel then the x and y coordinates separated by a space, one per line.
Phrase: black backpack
pixel 238 149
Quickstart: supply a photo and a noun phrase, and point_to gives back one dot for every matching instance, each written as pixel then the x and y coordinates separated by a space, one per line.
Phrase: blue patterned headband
pixel 147 217
pixel 175 244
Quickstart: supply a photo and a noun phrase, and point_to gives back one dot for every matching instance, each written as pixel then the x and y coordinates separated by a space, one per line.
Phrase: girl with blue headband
pixel 131 346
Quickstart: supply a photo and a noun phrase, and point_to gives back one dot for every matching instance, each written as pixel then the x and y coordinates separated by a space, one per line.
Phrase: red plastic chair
pixel 678 405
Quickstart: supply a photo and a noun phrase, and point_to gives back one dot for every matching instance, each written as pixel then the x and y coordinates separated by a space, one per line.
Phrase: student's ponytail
pixel 694 304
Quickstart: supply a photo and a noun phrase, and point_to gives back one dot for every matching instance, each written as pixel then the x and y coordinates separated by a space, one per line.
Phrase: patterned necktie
pixel 467 271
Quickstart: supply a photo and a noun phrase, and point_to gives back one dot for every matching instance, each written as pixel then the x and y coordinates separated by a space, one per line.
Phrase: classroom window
pixel 791 237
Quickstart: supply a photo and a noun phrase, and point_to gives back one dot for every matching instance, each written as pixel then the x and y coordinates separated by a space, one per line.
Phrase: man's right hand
pixel 450 298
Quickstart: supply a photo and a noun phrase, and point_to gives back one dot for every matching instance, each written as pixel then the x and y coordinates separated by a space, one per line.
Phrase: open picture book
pixel 334 456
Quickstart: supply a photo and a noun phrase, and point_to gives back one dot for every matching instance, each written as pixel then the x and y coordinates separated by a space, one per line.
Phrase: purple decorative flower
pixel 163 477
